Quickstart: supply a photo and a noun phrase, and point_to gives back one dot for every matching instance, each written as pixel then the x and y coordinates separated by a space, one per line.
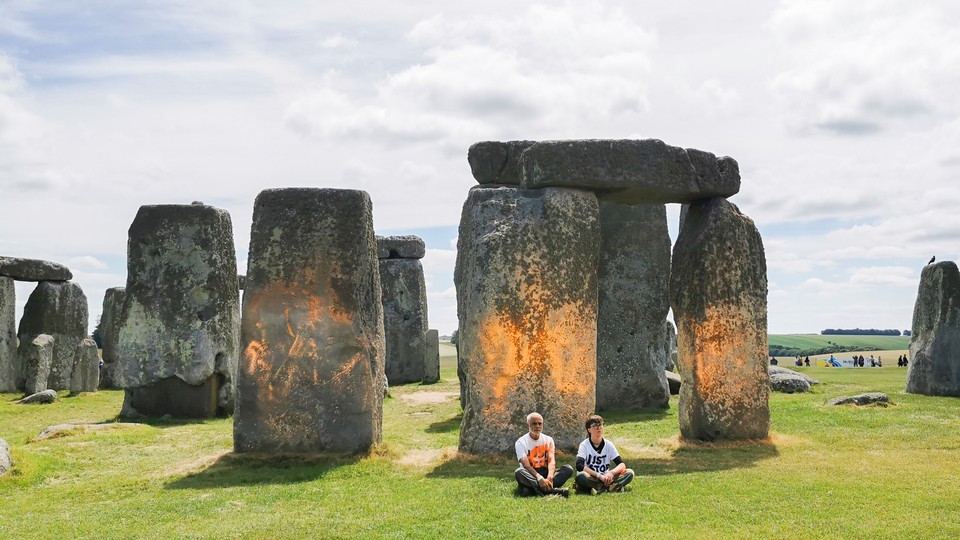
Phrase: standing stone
pixel 633 280
pixel 113 300
pixel 312 371
pixel 630 171
pixel 58 309
pixel 36 356
pixel 718 288
pixel 33 270
pixel 178 332
pixel 431 358
pixel 8 336
pixel 934 368
pixel 5 462
pixel 527 307
pixel 404 318
pixel 86 368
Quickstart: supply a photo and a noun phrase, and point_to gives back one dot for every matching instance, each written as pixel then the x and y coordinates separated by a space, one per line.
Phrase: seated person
pixel 536 453
pixel 598 463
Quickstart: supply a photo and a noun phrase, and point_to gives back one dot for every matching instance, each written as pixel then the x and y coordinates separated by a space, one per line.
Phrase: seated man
pixel 595 458
pixel 537 471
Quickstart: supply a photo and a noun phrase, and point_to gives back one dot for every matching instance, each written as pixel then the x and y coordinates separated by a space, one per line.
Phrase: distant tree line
pixel 859 332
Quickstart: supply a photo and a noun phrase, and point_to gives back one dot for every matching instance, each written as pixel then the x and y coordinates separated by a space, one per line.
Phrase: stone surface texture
pixel 58 309
pixel 404 294
pixel 718 287
pixel 401 247
pixel 181 307
pixel 41 398
pixel 312 370
pixel 36 357
pixel 860 399
pixel 431 358
pixel 633 281
pixel 527 307
pixel 6 463
pixel 33 270
pixel 788 383
pixel 630 171
pixel 113 299
pixel 86 368
pixel 934 368
pixel 8 336
pixel 496 162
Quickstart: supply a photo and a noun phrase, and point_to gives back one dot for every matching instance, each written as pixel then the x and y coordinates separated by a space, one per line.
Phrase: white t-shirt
pixel 599 459
pixel 537 451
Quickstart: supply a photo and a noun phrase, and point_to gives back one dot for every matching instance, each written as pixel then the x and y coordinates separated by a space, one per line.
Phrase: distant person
pixel 536 453
pixel 900 361
pixel 773 361
pixel 861 361
pixel 873 363
pixel 798 362
pixel 806 361
pixel 879 361
pixel 599 465
pixel 905 361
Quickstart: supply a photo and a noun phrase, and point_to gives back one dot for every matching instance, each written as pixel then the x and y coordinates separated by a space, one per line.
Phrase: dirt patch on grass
pixel 422 459
pixel 423 397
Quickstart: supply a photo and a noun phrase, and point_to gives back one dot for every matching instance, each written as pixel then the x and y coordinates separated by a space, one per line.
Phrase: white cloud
pixel 86 262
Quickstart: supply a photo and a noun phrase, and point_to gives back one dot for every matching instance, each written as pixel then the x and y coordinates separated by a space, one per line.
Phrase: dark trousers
pixel 525 479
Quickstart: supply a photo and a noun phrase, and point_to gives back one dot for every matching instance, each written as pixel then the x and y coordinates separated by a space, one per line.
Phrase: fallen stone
pixel 45 397
pixel 934 368
pixel 630 171
pixel 113 300
pixel 6 463
pixel 33 270
pixel 8 336
pixel 633 281
pixel 86 368
pixel 674 381
pixel 780 369
pixel 404 295
pixel 64 430
pixel 431 358
pixel 58 309
pixel 312 371
pixel 181 311
pixel 527 307
pixel 860 399
pixel 495 162
pixel 789 384
pixel 400 247
pixel 718 286
pixel 36 356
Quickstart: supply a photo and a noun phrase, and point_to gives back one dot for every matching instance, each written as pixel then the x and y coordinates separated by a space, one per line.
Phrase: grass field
pixel 860 343
pixel 827 472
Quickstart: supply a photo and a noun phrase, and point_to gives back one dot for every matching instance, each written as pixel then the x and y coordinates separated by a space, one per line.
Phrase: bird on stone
pixel 932 259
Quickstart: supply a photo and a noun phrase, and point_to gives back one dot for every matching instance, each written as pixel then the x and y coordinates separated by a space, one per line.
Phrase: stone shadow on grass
pixel 706 457
pixel 446 426
pixel 230 470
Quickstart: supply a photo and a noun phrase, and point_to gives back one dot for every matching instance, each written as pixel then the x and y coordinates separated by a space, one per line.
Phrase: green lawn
pixel 828 472
pixel 861 343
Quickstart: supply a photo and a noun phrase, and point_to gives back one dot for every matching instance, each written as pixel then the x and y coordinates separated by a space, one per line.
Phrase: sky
pixel 842 115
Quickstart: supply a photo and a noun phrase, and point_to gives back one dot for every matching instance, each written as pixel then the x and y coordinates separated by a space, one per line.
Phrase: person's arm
pixel 607 478
pixel 551 466
pixel 525 463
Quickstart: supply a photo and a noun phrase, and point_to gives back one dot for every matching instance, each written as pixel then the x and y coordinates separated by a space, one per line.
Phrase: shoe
pixel 563 492
pixel 616 489
pixel 593 491
pixel 526 492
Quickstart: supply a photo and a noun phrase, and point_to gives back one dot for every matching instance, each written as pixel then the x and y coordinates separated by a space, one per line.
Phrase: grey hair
pixel 529 416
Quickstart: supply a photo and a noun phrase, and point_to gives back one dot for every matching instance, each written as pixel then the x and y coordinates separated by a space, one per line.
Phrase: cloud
pixel 546 69
pixel 86 262
pixel 857 68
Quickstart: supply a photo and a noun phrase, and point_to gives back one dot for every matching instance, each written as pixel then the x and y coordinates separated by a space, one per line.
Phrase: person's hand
pixel 549 483
pixel 607 479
